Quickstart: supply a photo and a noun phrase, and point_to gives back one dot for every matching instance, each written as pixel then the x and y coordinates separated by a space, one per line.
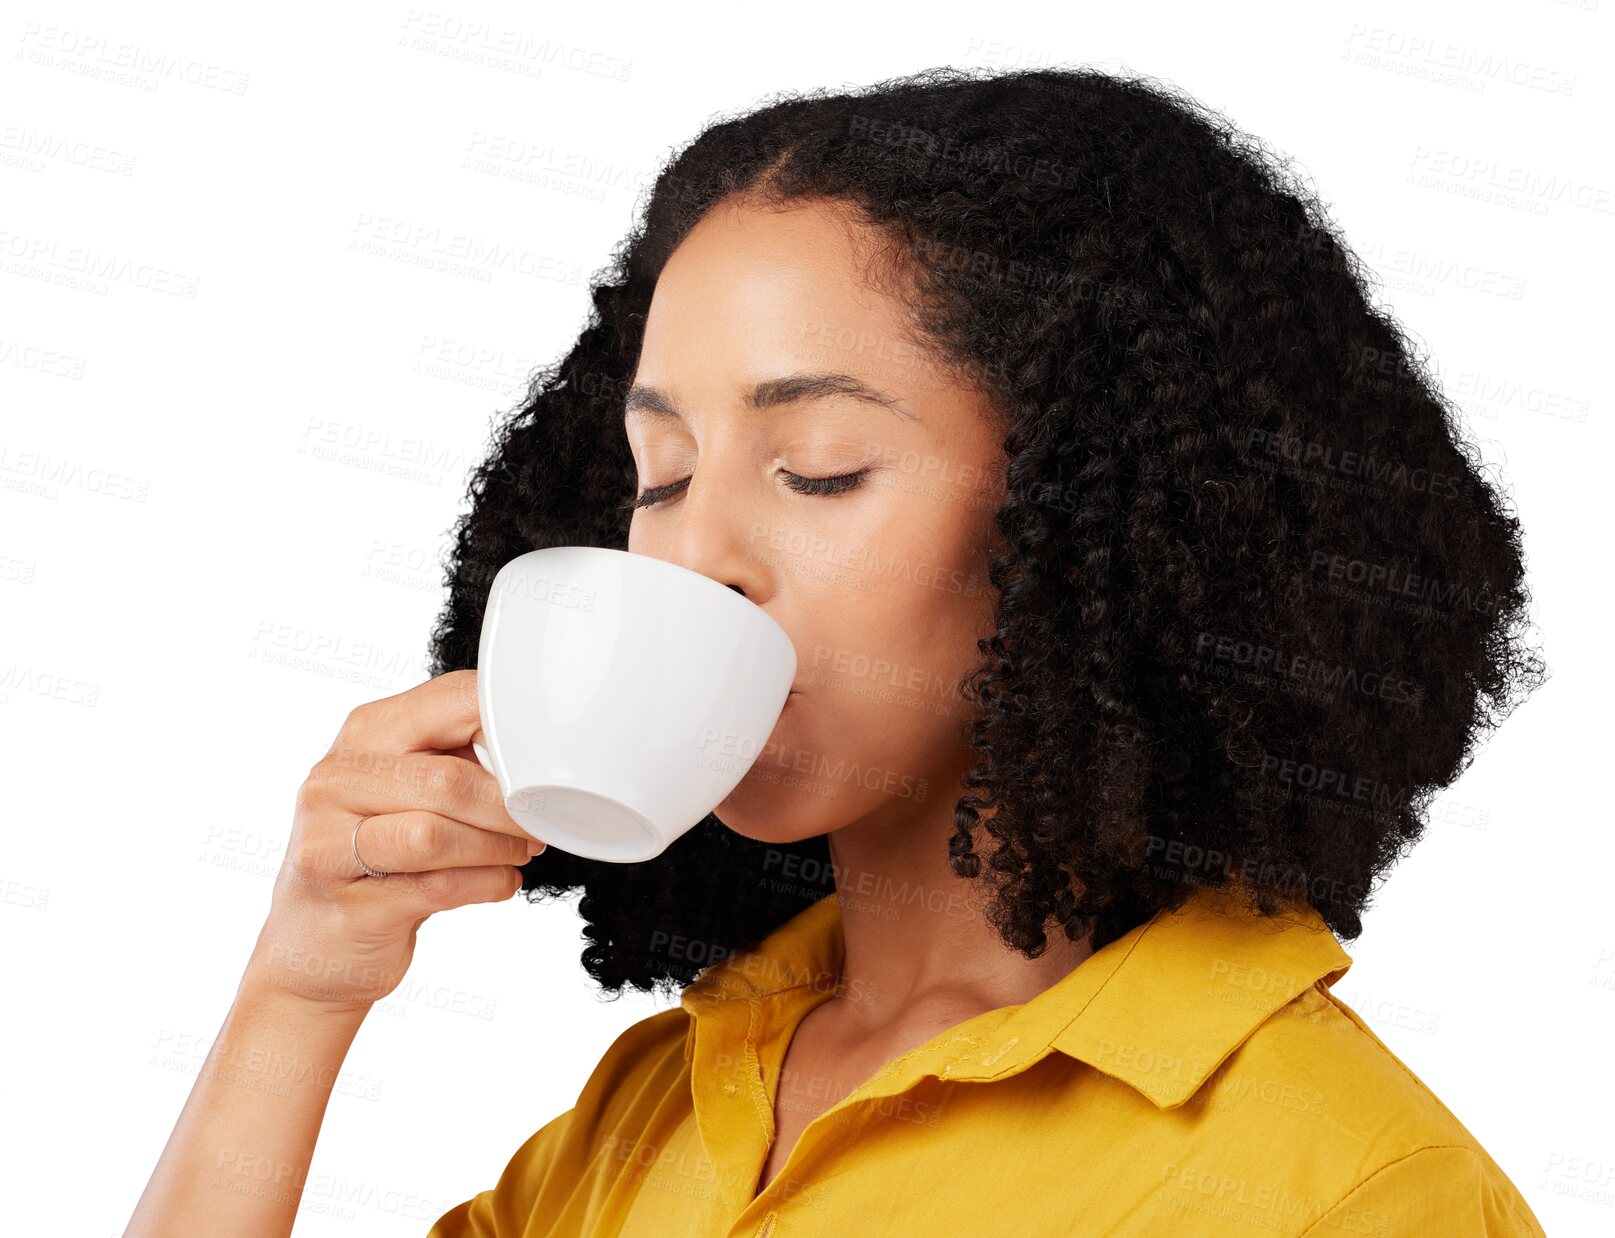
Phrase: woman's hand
pixel 432 818
pixel 334 942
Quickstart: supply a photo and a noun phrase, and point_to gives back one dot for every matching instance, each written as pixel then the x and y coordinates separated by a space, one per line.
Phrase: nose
pixel 711 533
pixel 722 562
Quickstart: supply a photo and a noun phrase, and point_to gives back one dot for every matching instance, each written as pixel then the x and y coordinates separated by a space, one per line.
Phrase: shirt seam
pixel 1103 984
pixel 1526 1218
pixel 942 1045
pixel 1150 927
pixel 754 1075
pixel 752 992
pixel 1407 1156
pixel 1356 1021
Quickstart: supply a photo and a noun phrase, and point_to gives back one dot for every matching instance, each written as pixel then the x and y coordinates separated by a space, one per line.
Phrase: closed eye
pixel 838 483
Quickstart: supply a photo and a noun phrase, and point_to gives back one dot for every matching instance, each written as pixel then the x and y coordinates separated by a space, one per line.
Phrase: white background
pixel 222 514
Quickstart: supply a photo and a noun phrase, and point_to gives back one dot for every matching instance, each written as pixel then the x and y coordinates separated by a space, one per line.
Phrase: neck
pixel 918 944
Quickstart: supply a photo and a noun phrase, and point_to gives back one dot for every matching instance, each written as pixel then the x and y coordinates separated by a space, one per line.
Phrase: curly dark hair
pixel 1258 602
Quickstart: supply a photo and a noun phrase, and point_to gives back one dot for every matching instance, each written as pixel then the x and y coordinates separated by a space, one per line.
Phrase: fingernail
pixel 533 848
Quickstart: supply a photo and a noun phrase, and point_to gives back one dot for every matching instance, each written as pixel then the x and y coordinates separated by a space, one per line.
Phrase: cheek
pixel 888 617
pixel 895 643
pixel 909 582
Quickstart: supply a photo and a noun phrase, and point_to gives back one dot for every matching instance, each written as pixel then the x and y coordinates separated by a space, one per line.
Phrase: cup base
pixel 582 823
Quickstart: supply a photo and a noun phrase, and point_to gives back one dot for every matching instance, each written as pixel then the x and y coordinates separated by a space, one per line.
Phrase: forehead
pixel 753 288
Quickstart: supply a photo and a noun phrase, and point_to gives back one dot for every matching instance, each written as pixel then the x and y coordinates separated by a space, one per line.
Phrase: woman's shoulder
pixel 645 1042
pixel 1320 1040
pixel 646 1059
pixel 1316 1075
pixel 631 1079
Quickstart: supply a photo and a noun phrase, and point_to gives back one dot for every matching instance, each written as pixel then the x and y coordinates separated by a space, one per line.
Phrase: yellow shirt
pixel 1194 1077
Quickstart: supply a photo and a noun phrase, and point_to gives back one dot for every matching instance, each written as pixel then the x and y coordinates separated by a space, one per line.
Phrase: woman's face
pixel 879 579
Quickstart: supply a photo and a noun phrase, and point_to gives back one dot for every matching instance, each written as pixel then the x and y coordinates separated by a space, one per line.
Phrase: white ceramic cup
pixel 623 697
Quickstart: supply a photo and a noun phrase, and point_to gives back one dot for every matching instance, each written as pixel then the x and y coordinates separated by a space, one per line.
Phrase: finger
pixel 438 715
pixel 368 783
pixel 439 889
pixel 417 842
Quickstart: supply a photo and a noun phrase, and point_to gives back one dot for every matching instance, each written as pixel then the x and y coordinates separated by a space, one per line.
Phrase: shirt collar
pixel 1159 1008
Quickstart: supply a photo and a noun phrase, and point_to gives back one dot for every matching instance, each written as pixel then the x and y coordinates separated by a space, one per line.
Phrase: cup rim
pixel 662 565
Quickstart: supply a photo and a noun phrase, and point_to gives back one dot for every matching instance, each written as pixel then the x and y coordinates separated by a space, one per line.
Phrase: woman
pixel 1143 595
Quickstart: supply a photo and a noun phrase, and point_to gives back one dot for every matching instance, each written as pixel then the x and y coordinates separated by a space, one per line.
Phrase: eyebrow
pixel 773 393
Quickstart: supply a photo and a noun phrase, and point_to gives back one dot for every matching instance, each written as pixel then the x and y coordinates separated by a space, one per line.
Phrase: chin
pixel 766 807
